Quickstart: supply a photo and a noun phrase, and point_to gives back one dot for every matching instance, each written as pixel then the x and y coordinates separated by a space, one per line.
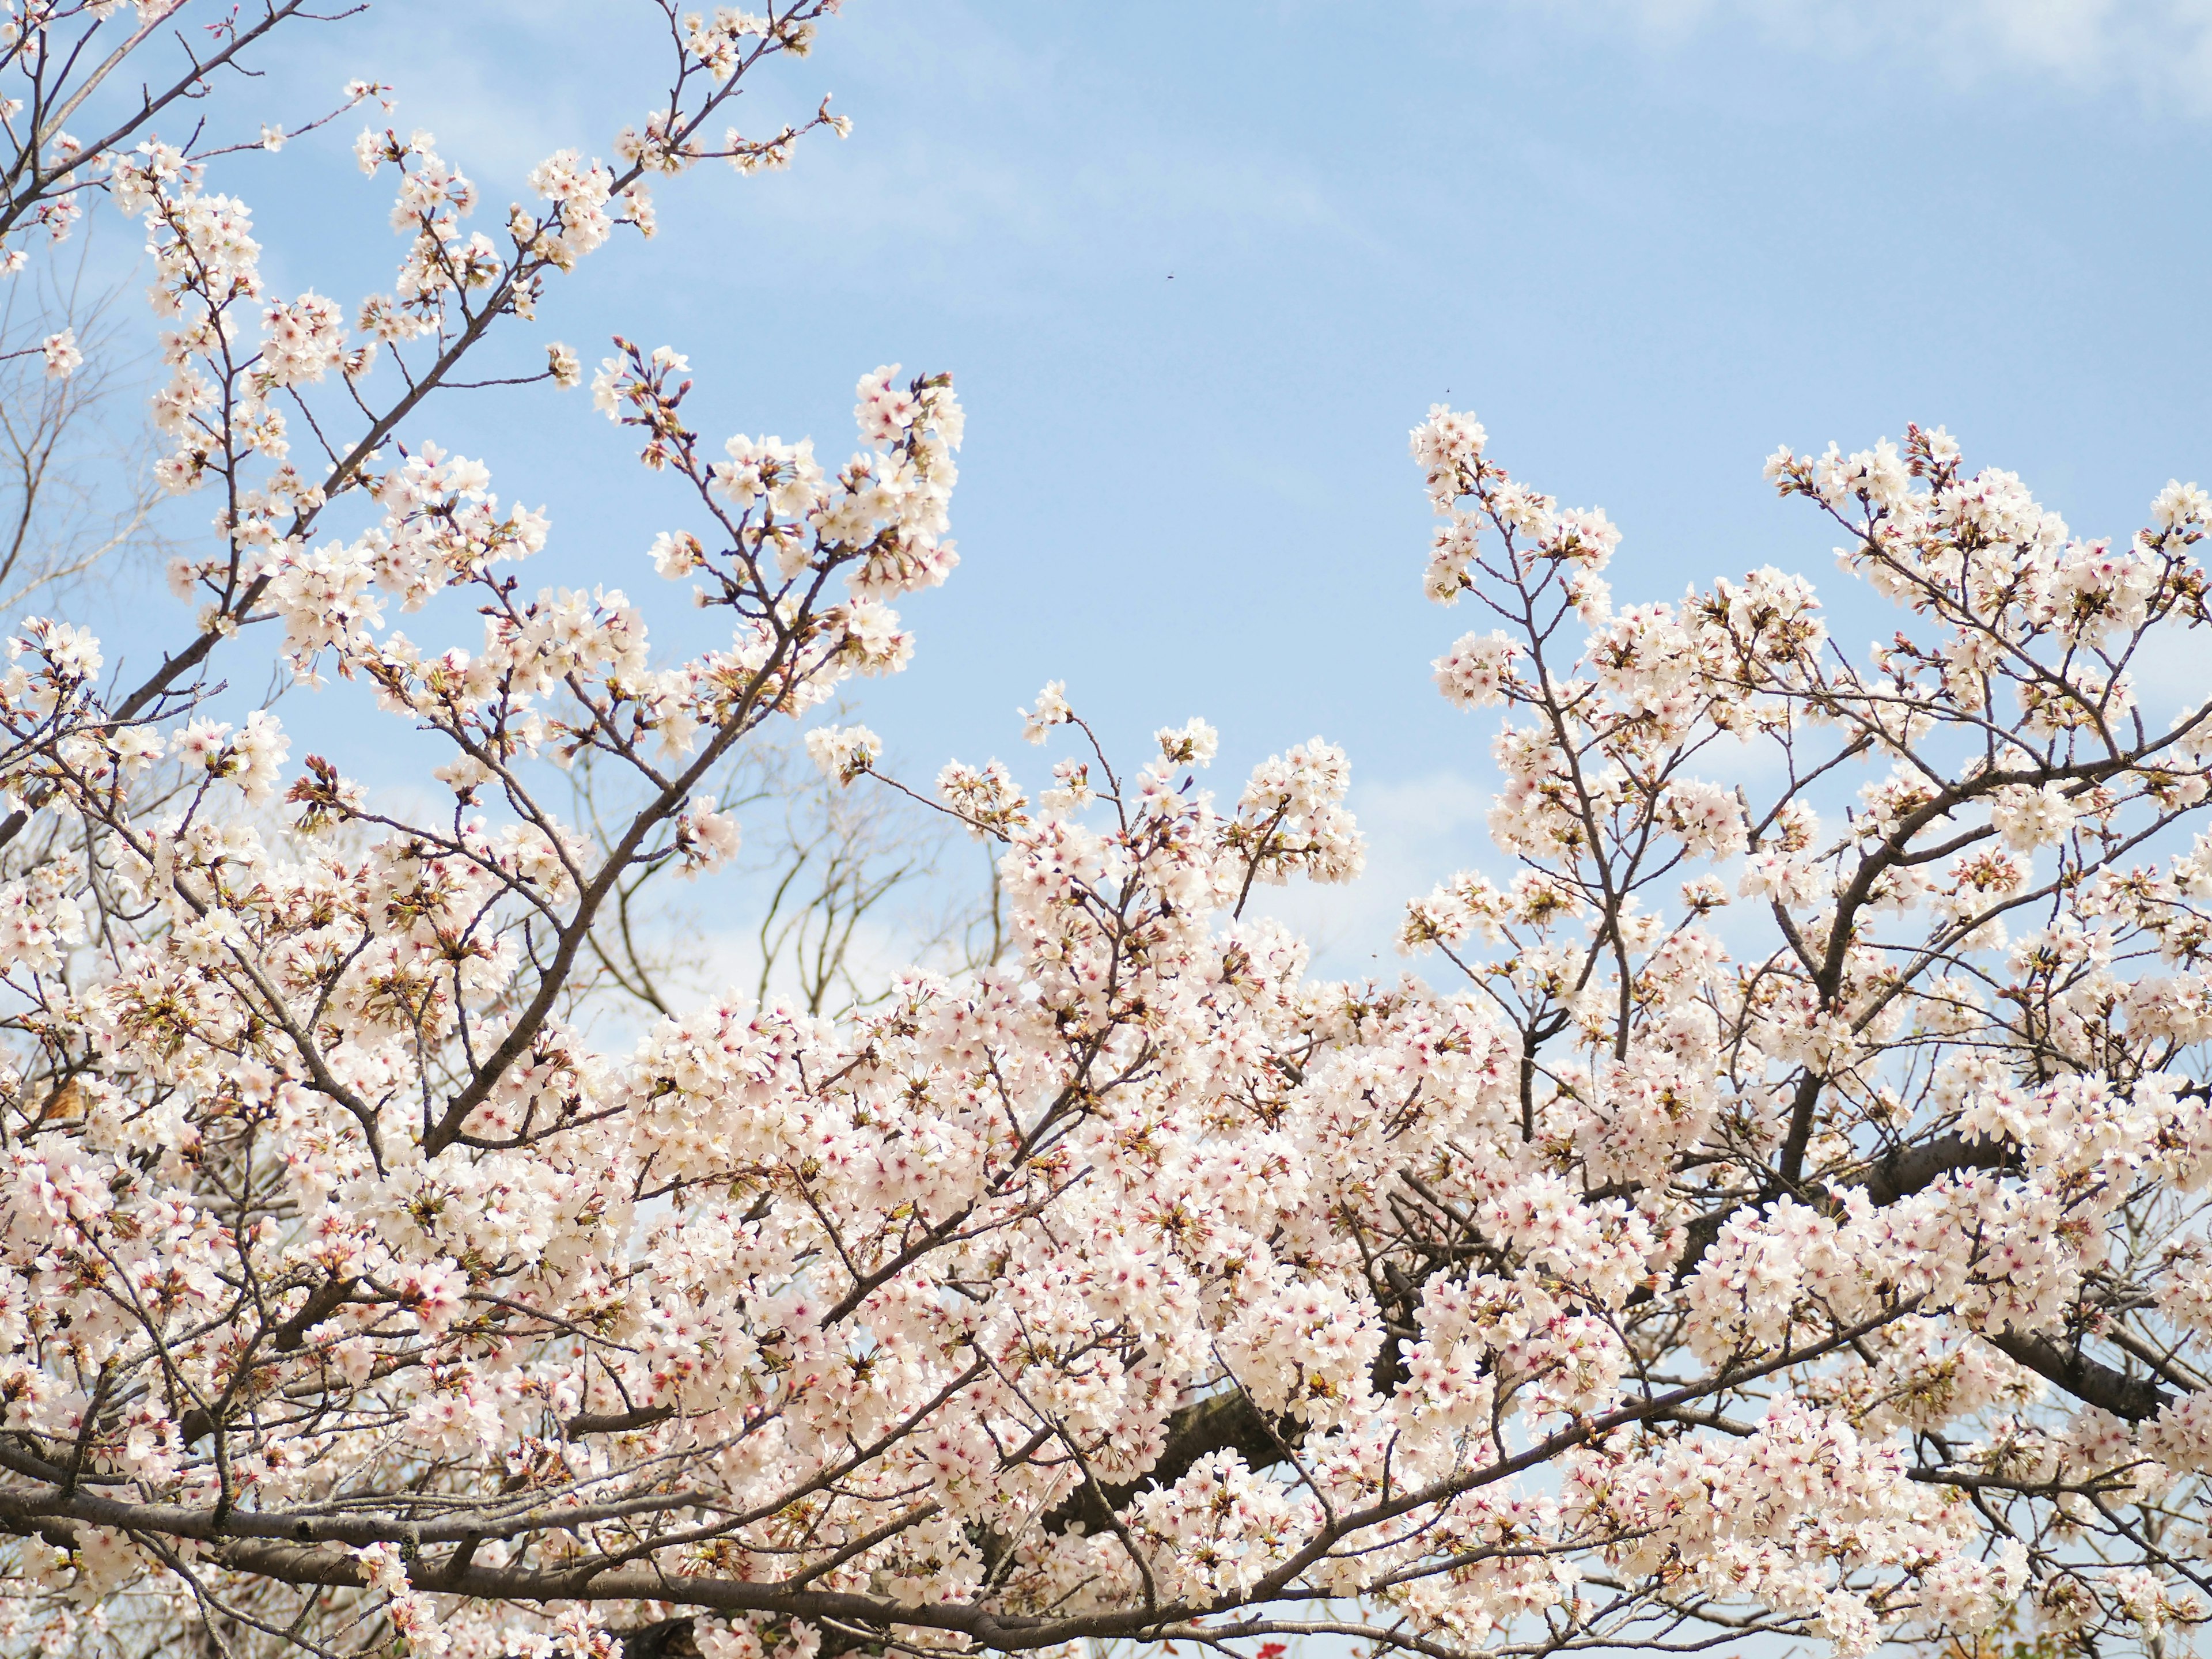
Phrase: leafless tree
pixel 77 493
pixel 838 887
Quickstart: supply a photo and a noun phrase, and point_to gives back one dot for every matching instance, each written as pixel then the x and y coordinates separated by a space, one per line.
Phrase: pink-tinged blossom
pixel 1775 1213
pixel 843 753
pixel 63 357
pixel 1477 669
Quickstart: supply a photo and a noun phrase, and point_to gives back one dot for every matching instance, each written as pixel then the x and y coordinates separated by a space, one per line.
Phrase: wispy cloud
pixel 1419 831
pixel 496 114
pixel 2160 49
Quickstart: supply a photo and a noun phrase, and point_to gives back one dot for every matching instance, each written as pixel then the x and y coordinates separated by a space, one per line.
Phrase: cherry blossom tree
pixel 1776 1211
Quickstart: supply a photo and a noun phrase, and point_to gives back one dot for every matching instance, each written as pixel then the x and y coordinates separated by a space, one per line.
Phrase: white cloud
pixel 2159 49
pixel 1418 831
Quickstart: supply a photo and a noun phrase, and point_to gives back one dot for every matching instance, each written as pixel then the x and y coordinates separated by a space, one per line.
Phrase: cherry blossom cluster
pixel 1944 1058
pixel 1778 1213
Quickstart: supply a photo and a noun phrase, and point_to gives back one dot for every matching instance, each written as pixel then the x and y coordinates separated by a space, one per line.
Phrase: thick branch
pixel 1220 1422
pixel 2062 1362
pixel 1909 1169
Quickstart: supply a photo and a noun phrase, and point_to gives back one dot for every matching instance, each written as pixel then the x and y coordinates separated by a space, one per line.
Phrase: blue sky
pixel 1197 268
